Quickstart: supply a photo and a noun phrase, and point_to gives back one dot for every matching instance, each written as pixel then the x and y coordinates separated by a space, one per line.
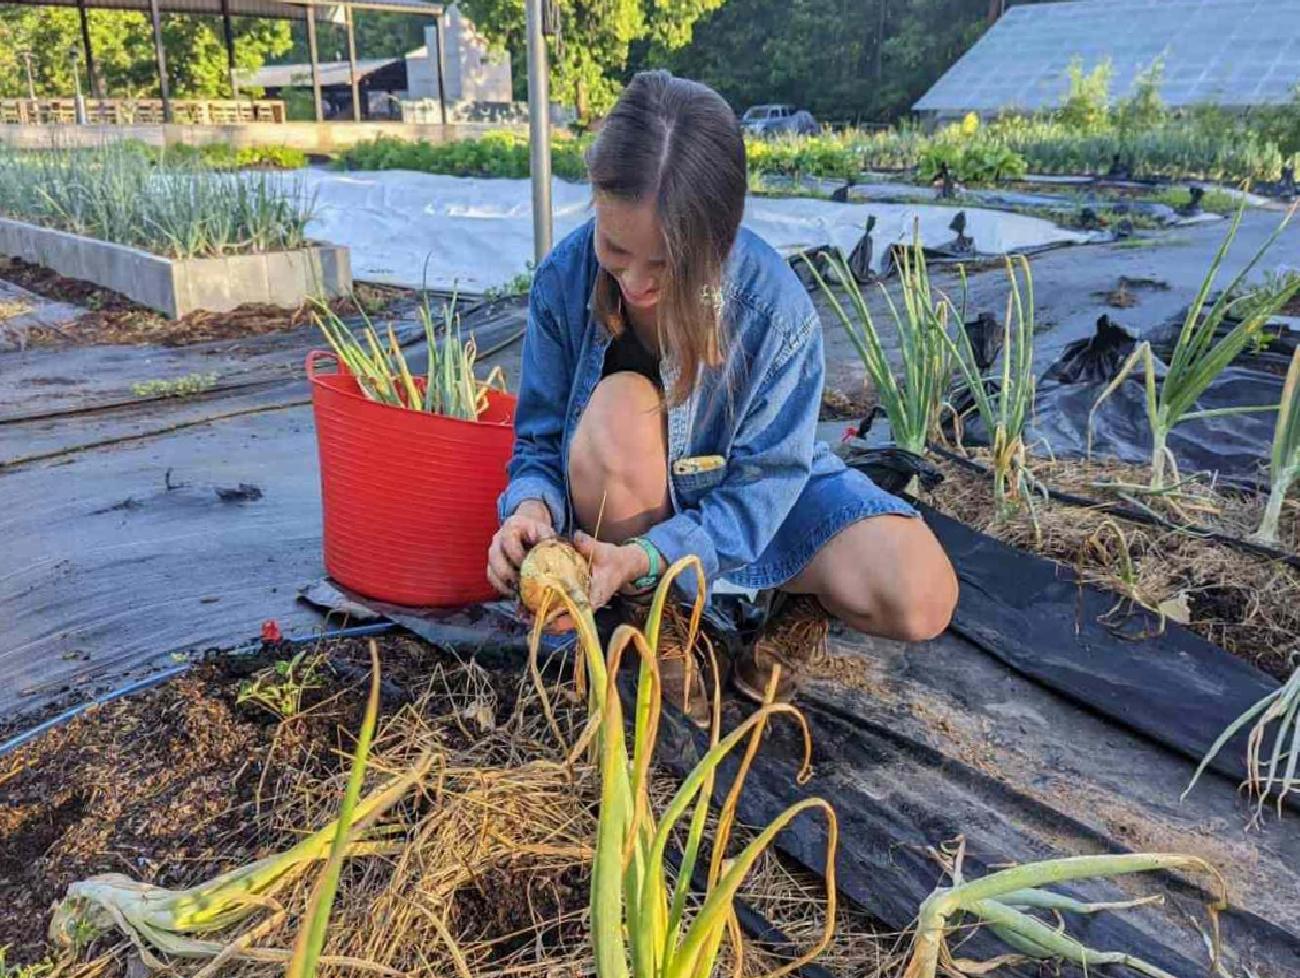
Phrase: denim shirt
pixel 740 448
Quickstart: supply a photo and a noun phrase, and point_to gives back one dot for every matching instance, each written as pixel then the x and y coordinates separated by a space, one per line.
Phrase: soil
pixel 182 782
pixel 162 786
pixel 114 319
pixel 1245 602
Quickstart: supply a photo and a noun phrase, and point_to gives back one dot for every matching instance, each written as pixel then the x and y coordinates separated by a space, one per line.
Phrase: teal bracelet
pixel 651 577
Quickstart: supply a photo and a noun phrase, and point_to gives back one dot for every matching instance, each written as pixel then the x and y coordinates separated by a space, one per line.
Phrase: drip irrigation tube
pixel 1133 515
pixel 158 678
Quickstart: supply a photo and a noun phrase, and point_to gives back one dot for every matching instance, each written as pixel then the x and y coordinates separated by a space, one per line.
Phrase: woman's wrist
pixel 646 565
pixel 535 509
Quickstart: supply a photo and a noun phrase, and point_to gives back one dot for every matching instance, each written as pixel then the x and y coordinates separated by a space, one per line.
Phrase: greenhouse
pixel 1232 53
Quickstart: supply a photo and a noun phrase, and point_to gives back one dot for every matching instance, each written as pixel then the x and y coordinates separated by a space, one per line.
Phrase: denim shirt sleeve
pixel 536 468
pixel 767 468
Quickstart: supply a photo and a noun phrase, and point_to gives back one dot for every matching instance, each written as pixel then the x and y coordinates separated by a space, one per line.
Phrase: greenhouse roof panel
pixel 1233 52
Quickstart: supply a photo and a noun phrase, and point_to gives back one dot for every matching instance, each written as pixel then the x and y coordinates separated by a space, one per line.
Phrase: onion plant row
pixel 180 210
pixel 1208 341
pixel 913 399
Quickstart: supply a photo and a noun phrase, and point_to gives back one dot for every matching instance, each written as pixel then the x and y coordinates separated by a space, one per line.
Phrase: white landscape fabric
pixel 479 233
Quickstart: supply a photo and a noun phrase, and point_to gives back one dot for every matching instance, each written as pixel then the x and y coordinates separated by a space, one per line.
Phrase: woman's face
pixel 630 246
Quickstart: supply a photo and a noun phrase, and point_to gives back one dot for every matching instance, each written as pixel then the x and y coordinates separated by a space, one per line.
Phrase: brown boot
pixel 793 638
pixel 681 673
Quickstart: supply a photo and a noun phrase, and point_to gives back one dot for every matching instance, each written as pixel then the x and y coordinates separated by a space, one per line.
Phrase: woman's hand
pixel 523 529
pixel 612 566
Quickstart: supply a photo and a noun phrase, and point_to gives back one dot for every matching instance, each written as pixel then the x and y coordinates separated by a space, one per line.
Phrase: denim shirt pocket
pixel 690 487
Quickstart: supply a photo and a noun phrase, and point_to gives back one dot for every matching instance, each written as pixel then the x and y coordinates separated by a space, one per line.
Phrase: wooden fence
pixel 143 111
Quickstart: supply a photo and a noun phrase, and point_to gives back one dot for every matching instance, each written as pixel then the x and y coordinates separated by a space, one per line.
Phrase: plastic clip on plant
pixel 1003 900
pixel 155 918
pixel 1284 467
pixel 1198 358
pixel 640 925
pixel 449 387
pixel 1006 404
pixel 912 399
pixel 1283 706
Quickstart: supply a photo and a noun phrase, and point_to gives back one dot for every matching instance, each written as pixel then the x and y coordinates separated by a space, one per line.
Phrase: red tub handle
pixel 315 356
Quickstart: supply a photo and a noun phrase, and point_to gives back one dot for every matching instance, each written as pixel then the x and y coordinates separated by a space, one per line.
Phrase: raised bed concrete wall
pixel 310 137
pixel 281 278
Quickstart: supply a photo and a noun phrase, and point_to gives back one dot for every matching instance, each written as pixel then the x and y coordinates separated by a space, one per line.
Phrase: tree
pixel 122 42
pixel 594 50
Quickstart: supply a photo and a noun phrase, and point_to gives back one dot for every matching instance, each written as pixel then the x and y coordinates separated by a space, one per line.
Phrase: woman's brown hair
pixel 677 143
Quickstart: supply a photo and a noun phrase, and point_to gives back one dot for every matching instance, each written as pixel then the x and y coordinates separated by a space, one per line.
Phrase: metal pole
pixel 78 101
pixel 539 130
pixel 315 70
pixel 92 80
pixel 228 30
pixel 352 64
pixel 442 88
pixel 161 57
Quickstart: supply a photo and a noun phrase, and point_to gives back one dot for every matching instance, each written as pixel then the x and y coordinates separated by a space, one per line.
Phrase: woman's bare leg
pixel 619 458
pixel 885 575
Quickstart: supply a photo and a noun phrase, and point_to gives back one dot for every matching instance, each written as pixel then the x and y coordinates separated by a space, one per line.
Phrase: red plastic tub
pixel 409 498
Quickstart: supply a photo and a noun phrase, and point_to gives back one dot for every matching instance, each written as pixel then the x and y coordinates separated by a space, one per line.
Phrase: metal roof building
pixel 1234 53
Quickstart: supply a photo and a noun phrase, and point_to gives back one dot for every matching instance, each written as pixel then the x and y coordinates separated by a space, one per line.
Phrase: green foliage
pixel 40 969
pixel 1144 109
pixel 185 386
pixel 1214 201
pixel 1280 124
pixel 223 156
pixel 124 55
pixel 119 193
pixel 913 395
pixel 1179 149
pixel 975 160
pixel 299 104
pixel 835 155
pixel 498 154
pixel 1203 350
pixel 517 286
pixel 594 52
pixel 828 56
pixel 281 692
pixel 1087 102
pixel 1284 465
pixel 1006 405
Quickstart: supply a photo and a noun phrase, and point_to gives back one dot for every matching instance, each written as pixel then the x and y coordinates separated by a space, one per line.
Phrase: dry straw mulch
pixel 1245 602
pixel 490 873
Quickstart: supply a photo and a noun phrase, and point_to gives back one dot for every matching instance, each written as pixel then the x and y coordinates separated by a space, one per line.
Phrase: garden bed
pixel 1246 602
pixel 113 318
pixel 178 783
pixel 180 287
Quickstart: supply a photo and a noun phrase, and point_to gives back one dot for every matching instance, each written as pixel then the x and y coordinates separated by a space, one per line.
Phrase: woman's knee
pixel 619 452
pixel 893 580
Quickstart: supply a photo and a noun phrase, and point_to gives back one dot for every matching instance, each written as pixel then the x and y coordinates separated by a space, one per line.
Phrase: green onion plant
pixel 1005 901
pixel 641 926
pixel 181 210
pixel 1282 706
pixel 912 397
pixel 1005 401
pixel 1198 357
pixel 1284 466
pixel 157 919
pixel 449 386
